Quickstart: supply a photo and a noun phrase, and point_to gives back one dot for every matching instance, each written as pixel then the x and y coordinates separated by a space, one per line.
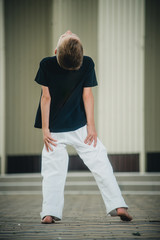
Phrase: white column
pixel 121 76
pixel 2 90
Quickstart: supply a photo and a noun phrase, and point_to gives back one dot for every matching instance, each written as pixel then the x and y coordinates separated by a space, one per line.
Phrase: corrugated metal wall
pixel 152 76
pixel 28 34
pixel 121 75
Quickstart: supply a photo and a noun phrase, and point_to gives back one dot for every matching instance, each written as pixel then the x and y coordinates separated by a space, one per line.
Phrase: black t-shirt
pixel 67 111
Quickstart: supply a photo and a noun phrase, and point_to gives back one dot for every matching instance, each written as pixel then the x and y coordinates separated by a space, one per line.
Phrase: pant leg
pixel 54 171
pixel 97 161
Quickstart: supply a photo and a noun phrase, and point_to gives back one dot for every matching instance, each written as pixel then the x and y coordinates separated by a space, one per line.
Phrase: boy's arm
pixel 88 100
pixel 45 111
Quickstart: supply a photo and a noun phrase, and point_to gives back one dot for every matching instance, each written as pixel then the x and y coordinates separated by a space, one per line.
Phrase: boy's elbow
pixel 46 98
pixel 45 94
pixel 87 96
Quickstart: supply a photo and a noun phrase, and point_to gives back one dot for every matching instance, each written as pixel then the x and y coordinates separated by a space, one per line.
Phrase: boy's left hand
pixel 91 135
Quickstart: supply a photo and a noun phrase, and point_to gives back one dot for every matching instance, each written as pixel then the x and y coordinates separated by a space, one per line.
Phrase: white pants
pixel 54 171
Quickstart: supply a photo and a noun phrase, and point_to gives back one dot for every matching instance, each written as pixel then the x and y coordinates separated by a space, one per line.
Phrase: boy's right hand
pixel 47 138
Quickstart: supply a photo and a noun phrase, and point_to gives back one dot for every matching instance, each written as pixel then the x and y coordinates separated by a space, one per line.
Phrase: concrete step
pixel 79 186
pixel 81 182
pixel 80 176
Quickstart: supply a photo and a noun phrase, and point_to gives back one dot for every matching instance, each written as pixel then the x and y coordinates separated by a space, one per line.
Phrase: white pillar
pixel 2 90
pixel 121 26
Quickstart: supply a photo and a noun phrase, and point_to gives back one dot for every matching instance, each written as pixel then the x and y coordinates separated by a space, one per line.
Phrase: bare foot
pixel 47 220
pixel 123 214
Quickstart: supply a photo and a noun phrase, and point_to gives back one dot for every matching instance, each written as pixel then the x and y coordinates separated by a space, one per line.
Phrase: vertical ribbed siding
pixel 80 17
pixel 152 76
pixel 28 32
pixel 120 70
pixel 2 89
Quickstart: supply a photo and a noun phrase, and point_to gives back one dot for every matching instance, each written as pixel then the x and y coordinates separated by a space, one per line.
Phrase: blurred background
pixel 122 37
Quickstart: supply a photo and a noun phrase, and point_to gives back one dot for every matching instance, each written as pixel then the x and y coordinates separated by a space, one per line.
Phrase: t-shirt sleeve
pixel 41 77
pixel 90 78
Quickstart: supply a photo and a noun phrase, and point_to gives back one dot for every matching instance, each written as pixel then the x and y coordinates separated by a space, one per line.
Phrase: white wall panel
pixel 121 75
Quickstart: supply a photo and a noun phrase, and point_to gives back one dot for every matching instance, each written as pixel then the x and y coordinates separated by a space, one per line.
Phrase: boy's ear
pixel 55 51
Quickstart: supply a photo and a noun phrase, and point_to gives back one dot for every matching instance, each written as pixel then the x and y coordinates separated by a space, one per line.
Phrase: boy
pixel 66 116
